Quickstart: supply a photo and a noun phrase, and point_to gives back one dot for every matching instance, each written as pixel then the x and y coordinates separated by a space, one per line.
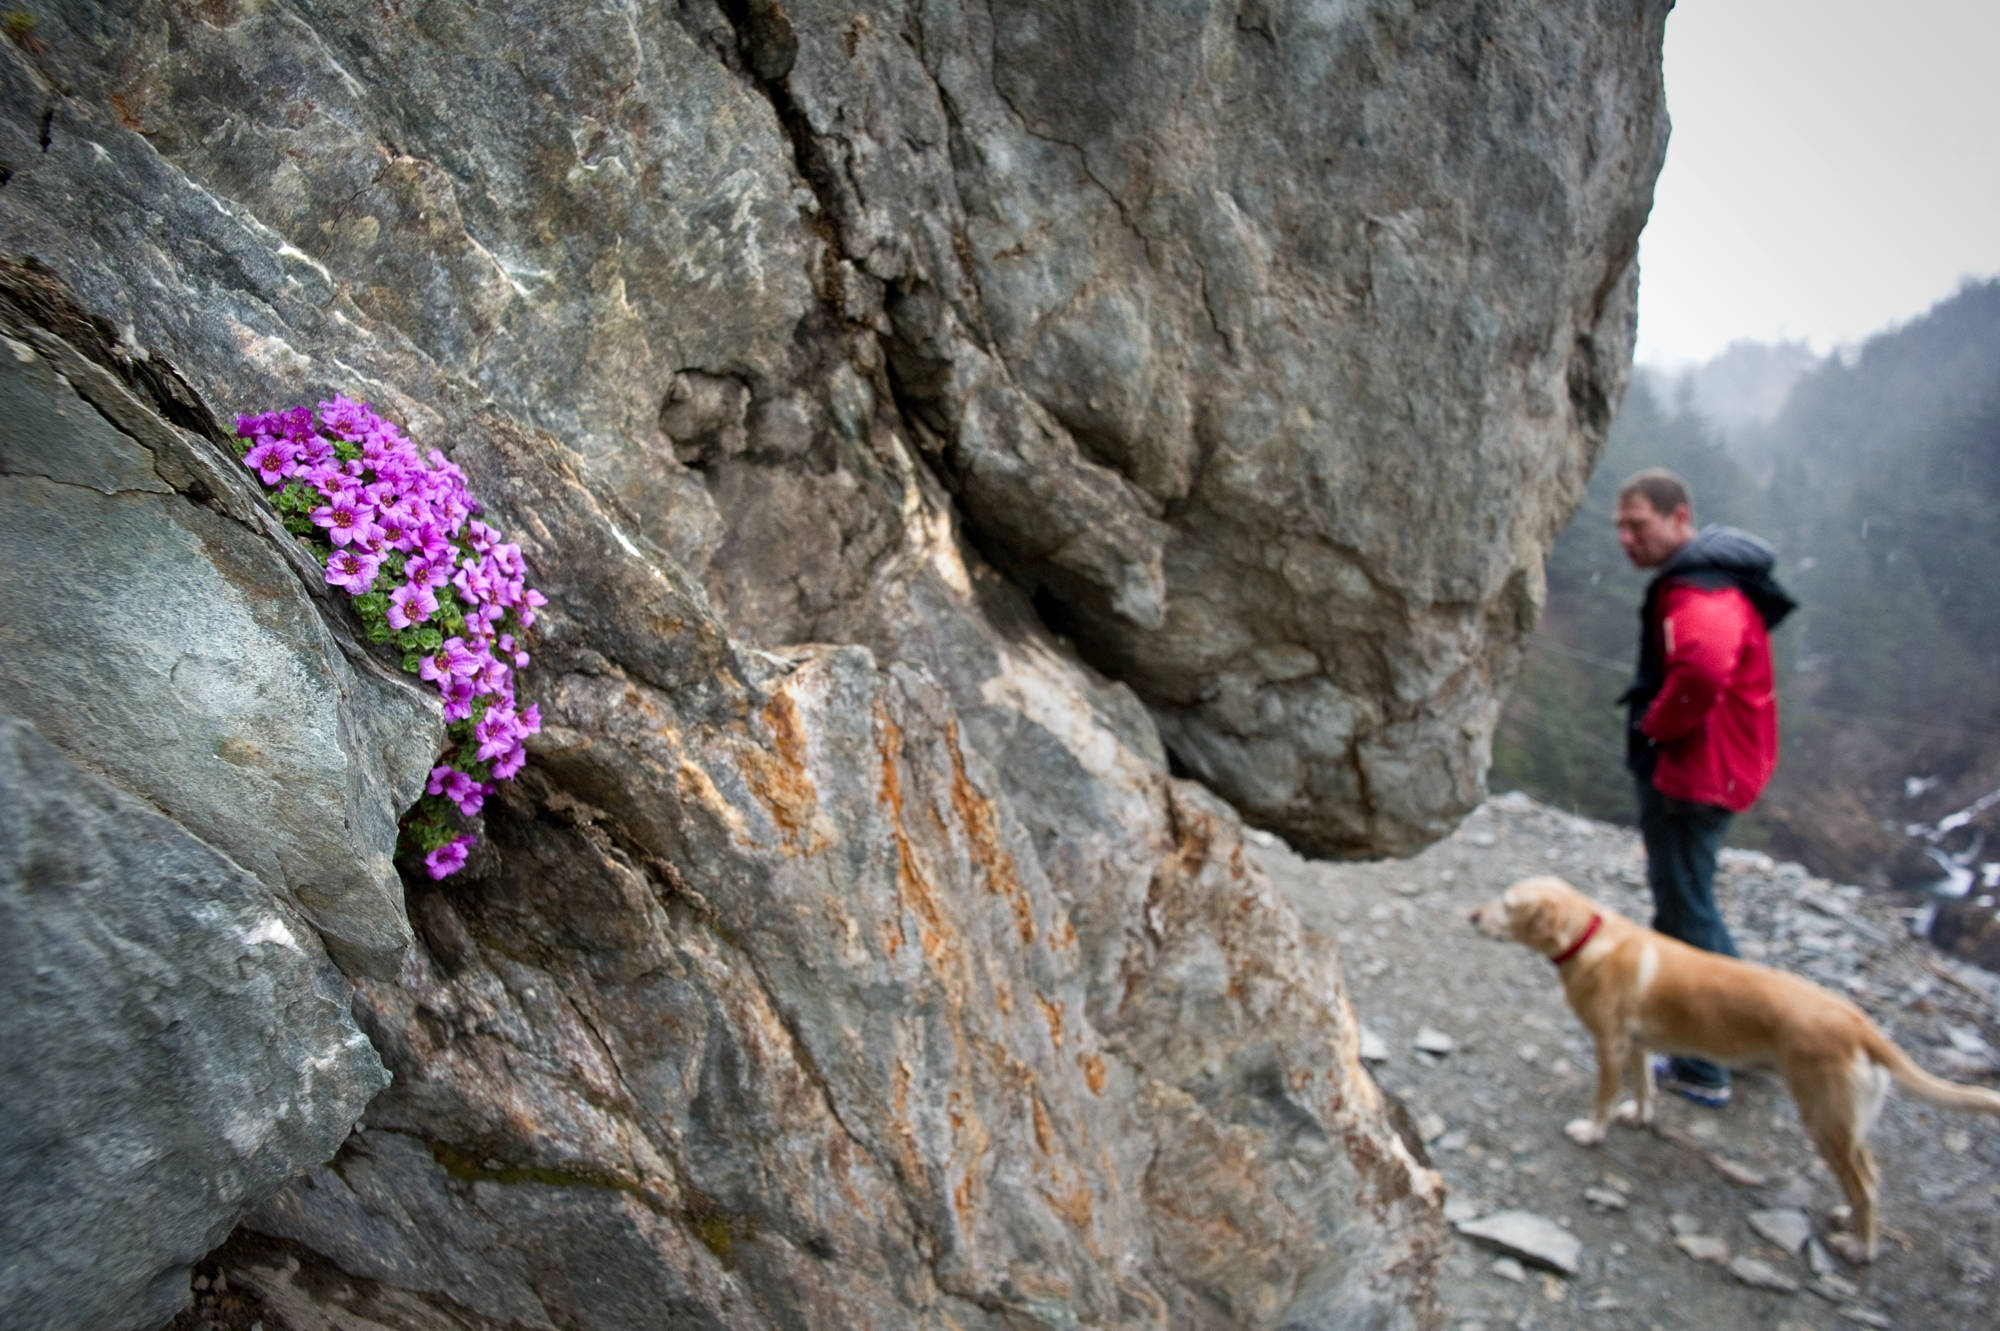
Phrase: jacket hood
pixel 1739 557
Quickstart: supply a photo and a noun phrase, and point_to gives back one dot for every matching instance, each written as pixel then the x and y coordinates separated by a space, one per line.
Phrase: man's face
pixel 1649 536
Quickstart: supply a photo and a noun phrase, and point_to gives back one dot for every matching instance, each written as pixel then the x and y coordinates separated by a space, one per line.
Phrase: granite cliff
pixel 978 454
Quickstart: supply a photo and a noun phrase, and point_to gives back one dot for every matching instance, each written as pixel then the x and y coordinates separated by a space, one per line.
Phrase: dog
pixel 1638 991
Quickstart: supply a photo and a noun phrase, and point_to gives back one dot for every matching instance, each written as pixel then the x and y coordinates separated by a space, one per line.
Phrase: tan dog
pixel 1639 991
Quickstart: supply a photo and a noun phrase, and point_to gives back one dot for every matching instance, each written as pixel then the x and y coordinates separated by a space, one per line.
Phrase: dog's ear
pixel 1534 918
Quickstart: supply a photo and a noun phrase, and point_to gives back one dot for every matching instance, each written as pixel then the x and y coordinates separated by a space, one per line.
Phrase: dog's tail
pixel 1882 1050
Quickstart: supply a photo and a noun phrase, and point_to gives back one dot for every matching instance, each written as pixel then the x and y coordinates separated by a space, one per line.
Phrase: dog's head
pixel 1544 913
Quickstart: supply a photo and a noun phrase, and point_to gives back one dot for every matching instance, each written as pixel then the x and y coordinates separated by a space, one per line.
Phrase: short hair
pixel 1663 489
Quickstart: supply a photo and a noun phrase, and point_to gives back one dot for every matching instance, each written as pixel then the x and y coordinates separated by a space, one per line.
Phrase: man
pixel 1702 735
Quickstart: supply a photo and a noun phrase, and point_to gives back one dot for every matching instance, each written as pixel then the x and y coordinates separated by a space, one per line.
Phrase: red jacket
pixel 1714 722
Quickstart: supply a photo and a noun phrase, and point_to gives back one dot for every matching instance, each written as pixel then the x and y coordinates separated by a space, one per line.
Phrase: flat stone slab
pixel 1762 1275
pixel 1742 1175
pixel 1787 1228
pixel 1433 1041
pixel 1458 1209
pixel 1374 1049
pixel 1703 1247
pixel 1968 1041
pixel 1528 1236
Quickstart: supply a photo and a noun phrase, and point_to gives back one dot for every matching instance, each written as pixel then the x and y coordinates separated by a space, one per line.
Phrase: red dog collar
pixel 1581 939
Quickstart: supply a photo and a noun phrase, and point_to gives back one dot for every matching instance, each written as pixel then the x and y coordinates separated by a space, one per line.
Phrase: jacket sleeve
pixel 1704 630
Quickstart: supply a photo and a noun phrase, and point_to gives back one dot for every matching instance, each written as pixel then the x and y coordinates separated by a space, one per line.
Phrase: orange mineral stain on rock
pixel 933 928
pixel 1045 1132
pixel 697 788
pixel 909 1155
pixel 1073 1205
pixel 970 1146
pixel 778 777
pixel 964 1200
pixel 1052 1013
pixel 889 747
pixel 982 830
pixel 891 934
pixel 1093 1073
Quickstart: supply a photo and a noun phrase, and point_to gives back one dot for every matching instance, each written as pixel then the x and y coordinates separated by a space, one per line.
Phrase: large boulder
pixel 928 423
pixel 174 1046
pixel 1272 343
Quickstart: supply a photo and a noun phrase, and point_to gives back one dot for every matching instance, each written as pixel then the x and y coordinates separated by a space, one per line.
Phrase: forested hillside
pixel 1883 498
pixel 1739 390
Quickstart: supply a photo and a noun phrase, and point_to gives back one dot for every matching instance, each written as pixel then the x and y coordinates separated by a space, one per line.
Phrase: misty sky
pixel 1834 168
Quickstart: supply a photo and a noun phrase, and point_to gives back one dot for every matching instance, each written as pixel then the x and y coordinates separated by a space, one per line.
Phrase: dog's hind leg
pixel 1858 1178
pixel 1838 1104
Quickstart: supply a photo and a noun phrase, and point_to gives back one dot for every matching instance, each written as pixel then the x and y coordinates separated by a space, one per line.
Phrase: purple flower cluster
pixel 456 595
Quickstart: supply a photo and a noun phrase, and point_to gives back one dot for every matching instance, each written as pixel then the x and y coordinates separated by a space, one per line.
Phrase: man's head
pixel 1655 517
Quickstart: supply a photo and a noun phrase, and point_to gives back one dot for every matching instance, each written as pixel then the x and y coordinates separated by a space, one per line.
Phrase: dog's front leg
pixel 1637 1067
pixel 1611 1051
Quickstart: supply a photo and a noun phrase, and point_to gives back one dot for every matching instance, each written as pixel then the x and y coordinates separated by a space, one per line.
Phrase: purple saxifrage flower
pixel 379 505
pixel 429 572
pixel 272 459
pixel 460 658
pixel 457 787
pixel 411 604
pixel 353 570
pixel 458 695
pixel 449 858
pixel 496 732
pixel 510 762
pixel 346 520
pixel 434 668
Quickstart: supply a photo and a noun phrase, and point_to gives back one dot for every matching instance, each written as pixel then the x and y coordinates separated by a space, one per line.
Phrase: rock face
pixel 177 1042
pixel 1257 350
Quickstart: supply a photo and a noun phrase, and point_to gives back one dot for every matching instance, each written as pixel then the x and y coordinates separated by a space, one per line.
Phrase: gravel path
pixel 1492 1108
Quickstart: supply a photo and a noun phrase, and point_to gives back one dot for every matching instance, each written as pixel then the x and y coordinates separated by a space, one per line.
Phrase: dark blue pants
pixel 1682 839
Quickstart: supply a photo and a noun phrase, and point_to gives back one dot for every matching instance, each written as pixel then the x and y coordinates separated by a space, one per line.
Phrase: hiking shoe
pixel 1705 1094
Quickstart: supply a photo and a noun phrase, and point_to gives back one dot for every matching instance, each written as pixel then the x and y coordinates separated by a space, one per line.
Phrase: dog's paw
pixel 1584 1131
pixel 1851 1248
pixel 1629 1113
